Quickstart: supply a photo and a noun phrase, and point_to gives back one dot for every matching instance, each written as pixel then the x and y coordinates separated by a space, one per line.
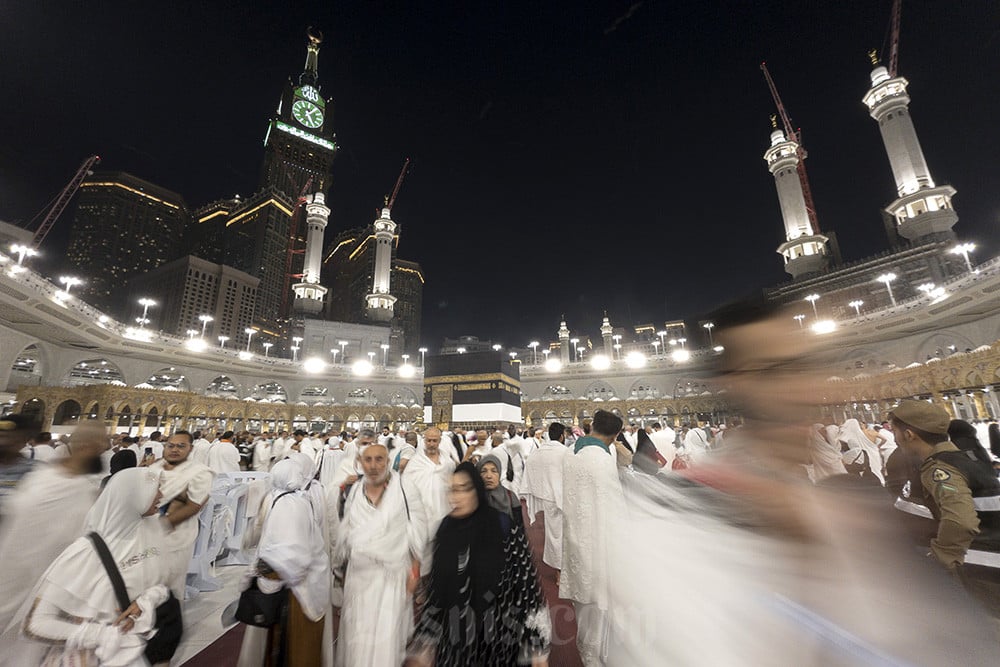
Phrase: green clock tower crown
pixel 300 143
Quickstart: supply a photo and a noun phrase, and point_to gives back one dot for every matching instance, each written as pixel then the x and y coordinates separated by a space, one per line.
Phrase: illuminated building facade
pixel 122 226
pixel 190 287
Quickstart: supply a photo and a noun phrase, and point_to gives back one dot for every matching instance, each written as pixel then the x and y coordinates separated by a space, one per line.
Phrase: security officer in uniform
pixel 954 484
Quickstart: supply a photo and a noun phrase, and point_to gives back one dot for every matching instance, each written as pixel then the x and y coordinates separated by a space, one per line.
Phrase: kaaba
pixel 470 390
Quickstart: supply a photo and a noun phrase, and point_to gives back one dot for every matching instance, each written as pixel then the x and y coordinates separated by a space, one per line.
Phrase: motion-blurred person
pixel 964 436
pixel 825 455
pixel 380 542
pixel 185 486
pixel 994 433
pixel 75 617
pixel 46 513
pixel 292 554
pixel 663 438
pixel 39 447
pixel 428 476
pixel 14 466
pixel 955 484
pixel 223 456
pixel 859 453
pixel 123 459
pixel 592 502
pixel 481 573
pixel 411 443
pixel 543 491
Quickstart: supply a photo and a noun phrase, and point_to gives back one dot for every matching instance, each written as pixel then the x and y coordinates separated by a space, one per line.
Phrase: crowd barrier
pixel 224 523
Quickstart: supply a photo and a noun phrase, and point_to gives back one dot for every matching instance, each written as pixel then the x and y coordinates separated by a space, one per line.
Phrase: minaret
pixel 805 251
pixel 309 293
pixel 923 211
pixel 564 341
pixel 380 301
pixel 606 332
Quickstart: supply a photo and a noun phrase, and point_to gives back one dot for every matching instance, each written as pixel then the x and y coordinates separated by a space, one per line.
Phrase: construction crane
pixel 792 135
pixel 894 37
pixel 293 228
pixel 58 205
pixel 399 183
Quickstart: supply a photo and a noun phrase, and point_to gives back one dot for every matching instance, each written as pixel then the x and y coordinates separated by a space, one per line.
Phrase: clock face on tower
pixel 307 113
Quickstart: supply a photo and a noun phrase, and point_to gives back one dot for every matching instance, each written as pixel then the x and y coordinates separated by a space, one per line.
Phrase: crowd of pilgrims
pixel 418 539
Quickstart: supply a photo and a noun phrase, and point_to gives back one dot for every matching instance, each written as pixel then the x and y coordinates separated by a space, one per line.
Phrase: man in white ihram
pixel 428 477
pixel 592 503
pixel 380 542
pixel 185 485
pixel 543 491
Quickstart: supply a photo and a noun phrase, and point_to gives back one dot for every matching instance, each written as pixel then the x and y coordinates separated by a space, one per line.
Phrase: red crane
pixel 792 135
pixel 58 205
pixel 293 228
pixel 399 183
pixel 894 37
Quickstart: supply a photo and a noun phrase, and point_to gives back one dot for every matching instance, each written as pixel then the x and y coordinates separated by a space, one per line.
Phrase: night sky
pixel 568 157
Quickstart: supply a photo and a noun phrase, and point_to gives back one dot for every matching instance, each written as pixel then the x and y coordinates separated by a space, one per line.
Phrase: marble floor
pixel 203 615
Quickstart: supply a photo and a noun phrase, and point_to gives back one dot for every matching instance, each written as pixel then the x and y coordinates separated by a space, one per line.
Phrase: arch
pixel 940 344
pixel 152 418
pixel 555 391
pixel 34 407
pixel 599 390
pixel 168 379
pixel 314 395
pixel 361 396
pixel 92 410
pixel 125 417
pixel 222 386
pixel 95 371
pixel 27 368
pixel 269 391
pixel 644 388
pixel 689 386
pixel 404 398
pixel 68 412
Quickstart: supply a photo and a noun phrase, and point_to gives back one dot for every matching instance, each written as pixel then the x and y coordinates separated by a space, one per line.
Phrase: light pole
pixel 205 319
pixel 146 305
pixel 663 342
pixel 682 341
pixel 249 332
pixel 656 348
pixel 534 352
pixel 406 359
pixel 579 353
pixel 422 351
pixel 343 353
pixel 222 341
pixel 574 341
pixel 964 249
pixel 295 353
pixel 385 355
pixel 513 355
pixel 618 339
pixel 460 350
pixel 371 358
pixel 192 333
pixel 497 347
pixel 887 279
pixel 618 350
pixel 267 348
pixel 22 251
pixel 798 318
pixel 708 326
pixel 70 282
pixel 812 299
pixel 856 305
pixel 926 288
pixel 546 353
pixel 334 352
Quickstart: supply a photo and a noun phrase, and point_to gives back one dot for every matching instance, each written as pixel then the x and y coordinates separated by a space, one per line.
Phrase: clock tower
pixel 300 142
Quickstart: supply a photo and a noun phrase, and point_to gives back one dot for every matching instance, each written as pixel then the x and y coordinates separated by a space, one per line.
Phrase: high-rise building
pixel 188 288
pixel 349 271
pixel 122 226
pixel 300 142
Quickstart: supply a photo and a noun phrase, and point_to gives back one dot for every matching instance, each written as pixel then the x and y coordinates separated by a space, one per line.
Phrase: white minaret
pixel 922 208
pixel 564 342
pixel 804 250
pixel 606 332
pixel 380 301
pixel 309 293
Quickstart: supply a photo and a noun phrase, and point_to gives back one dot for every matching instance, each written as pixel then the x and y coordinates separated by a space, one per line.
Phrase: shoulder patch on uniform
pixel 940 475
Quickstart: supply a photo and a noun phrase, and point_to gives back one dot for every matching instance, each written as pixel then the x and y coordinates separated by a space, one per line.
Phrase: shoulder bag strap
pixel 405 501
pixel 279 498
pixel 114 575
